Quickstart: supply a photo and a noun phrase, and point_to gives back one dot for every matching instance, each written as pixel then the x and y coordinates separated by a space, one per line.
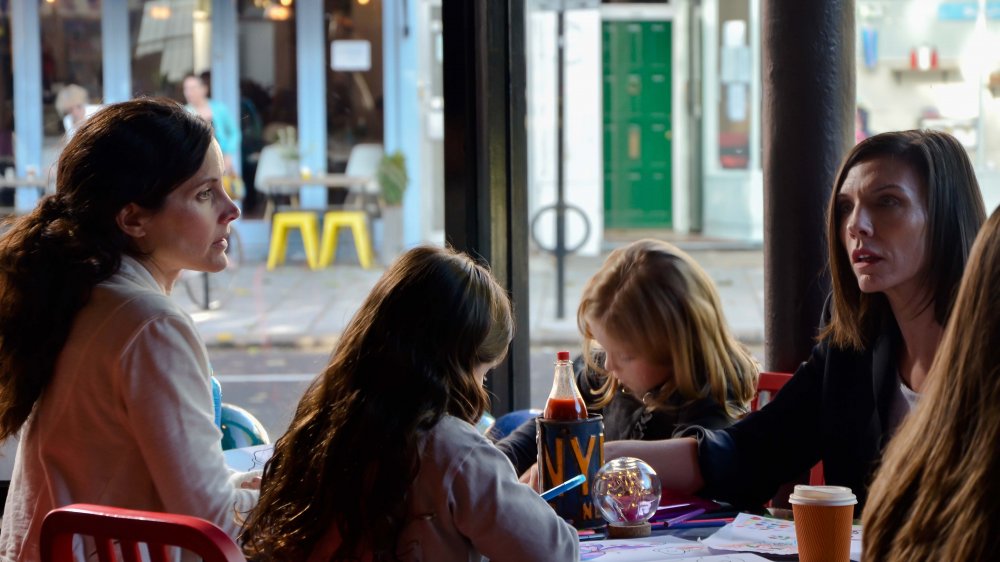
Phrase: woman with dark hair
pixel 904 212
pixel 382 460
pixel 937 493
pixel 103 375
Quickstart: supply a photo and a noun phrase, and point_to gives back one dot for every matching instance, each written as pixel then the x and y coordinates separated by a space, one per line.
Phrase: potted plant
pixel 288 144
pixel 392 179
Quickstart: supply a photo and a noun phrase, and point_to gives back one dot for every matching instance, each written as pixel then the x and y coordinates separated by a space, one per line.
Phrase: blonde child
pixel 666 358
pixel 659 356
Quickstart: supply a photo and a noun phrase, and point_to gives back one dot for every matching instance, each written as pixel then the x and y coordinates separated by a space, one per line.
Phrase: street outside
pixel 274 337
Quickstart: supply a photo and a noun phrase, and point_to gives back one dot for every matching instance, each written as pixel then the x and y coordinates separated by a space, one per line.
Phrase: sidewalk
pixel 293 306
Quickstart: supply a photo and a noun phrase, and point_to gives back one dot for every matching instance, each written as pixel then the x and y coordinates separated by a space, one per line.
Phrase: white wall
pixel 896 97
pixel 583 151
pixel 257 52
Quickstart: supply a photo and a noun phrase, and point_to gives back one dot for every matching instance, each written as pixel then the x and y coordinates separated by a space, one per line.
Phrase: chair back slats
pixel 768 386
pixel 159 553
pixel 128 529
pixel 130 551
pixel 105 548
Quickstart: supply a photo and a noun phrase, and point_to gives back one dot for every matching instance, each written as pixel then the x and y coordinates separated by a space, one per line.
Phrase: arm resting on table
pixel 674 460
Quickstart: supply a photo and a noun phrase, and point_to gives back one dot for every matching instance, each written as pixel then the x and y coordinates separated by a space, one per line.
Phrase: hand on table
pixel 530 477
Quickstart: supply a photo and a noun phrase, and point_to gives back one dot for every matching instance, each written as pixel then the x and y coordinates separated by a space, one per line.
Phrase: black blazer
pixel 835 409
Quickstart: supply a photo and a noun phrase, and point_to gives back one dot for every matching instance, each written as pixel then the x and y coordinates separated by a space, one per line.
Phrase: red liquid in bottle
pixel 565 409
pixel 565 401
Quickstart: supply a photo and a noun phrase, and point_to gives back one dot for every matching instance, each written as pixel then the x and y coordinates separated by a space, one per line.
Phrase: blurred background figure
pixel 73 103
pixel 223 124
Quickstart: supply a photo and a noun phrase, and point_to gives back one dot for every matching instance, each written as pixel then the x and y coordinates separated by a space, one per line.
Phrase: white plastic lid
pixel 822 495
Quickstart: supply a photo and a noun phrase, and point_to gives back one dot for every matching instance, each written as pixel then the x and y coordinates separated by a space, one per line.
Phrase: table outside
pixel 37 183
pixel 276 186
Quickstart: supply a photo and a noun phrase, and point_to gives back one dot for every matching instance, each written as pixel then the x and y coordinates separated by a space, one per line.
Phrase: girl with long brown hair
pixel 382 460
pixel 937 493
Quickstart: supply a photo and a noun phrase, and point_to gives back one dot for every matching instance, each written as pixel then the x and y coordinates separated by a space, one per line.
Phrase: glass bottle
pixel 565 401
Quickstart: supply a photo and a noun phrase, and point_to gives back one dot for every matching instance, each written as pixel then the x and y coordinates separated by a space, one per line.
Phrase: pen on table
pixel 695 523
pixel 564 487
pixel 684 517
pixel 674 506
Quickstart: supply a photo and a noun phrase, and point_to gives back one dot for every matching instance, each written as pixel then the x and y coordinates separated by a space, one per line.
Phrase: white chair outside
pixel 363 162
pixel 272 165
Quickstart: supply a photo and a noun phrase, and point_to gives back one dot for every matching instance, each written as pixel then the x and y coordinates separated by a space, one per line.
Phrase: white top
pixel 126 421
pixel 68 124
pixel 466 503
pixel 903 402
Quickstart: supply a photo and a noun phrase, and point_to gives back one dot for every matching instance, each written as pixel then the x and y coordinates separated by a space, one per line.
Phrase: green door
pixel 637 127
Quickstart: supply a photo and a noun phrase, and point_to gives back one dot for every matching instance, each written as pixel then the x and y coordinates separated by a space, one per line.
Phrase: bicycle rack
pixel 560 206
pixel 560 250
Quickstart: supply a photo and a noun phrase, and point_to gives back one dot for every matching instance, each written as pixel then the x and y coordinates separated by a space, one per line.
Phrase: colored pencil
pixel 684 517
pixel 694 524
pixel 564 487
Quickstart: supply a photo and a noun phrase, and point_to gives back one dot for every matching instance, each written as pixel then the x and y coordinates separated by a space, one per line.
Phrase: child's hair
pixel 659 300
pixel 352 451
pixel 937 494
pixel 132 152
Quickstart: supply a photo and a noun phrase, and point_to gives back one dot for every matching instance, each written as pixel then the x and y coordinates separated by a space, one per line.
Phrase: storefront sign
pixel 966 11
pixel 351 55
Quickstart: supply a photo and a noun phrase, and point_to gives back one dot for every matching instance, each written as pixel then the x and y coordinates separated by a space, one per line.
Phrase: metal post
pixel 560 250
pixel 207 297
pixel 808 124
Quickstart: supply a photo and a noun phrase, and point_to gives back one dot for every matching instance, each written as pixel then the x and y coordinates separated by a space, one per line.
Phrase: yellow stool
pixel 307 222
pixel 355 220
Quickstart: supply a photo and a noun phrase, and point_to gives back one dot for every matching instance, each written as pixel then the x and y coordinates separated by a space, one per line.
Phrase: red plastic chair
pixel 128 528
pixel 767 387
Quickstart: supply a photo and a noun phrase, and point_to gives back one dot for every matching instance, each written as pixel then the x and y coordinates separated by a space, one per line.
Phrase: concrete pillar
pixel 26 47
pixel 116 51
pixel 226 63
pixel 808 126
pixel 401 105
pixel 310 50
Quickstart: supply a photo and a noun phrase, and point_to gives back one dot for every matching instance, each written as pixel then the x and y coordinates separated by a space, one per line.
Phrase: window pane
pixel 71 70
pixel 932 65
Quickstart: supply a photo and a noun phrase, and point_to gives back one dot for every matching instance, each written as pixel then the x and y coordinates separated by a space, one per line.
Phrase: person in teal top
pixel 226 129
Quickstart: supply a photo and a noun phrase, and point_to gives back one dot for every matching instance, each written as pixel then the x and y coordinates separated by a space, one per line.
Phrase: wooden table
pixel 36 182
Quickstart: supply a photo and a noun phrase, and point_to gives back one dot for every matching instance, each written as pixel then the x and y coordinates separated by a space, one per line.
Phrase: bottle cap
pixel 562 356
